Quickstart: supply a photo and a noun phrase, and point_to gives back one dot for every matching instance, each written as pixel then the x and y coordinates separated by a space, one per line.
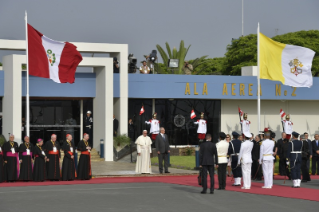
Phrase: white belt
pixel 296 152
pixel 234 154
pixel 88 126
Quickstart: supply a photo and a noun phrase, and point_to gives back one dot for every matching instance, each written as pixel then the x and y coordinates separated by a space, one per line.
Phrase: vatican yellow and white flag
pixel 288 64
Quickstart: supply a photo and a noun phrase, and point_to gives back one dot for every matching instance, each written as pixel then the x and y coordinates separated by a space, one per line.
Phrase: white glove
pixel 146 122
pixel 287 163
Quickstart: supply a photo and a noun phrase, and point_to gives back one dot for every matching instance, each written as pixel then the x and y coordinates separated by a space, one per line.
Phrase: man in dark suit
pixel 282 160
pixel 304 156
pixel 315 155
pixel 310 150
pixel 131 129
pixel 206 160
pixel 115 126
pixel 162 148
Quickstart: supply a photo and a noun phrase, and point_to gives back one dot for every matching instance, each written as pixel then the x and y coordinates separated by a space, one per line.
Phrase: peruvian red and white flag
pixel 52 59
pixel 282 113
pixel 142 110
pixel 193 115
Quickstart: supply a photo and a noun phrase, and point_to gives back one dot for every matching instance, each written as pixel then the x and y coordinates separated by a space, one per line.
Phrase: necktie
pixel 317 143
pixel 164 138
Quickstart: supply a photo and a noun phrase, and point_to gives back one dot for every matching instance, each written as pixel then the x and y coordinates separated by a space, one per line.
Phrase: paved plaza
pixel 141 197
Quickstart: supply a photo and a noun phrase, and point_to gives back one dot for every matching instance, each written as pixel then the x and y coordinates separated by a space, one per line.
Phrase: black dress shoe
pixel 203 192
pixel 167 172
pixel 219 189
pixel 211 192
pixel 304 181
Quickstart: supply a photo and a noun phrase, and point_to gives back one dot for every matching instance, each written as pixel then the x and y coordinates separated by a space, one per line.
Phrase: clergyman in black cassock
pixel 1 165
pixel 39 169
pixel 26 160
pixel 84 166
pixel 52 150
pixel 11 160
pixel 68 167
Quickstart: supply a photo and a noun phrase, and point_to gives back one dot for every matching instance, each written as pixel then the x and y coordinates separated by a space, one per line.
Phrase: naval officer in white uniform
pixel 246 160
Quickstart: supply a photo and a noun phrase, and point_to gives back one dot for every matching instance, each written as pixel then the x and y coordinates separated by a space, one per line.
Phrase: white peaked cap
pixel 248 134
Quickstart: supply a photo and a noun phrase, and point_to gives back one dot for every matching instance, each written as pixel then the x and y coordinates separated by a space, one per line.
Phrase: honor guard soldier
pixel 287 124
pixel 294 158
pixel 245 125
pixel 88 123
pixel 202 127
pixel 233 152
pixel 155 126
pixel 266 158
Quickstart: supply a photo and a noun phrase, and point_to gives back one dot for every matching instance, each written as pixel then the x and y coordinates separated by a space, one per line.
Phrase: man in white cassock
pixel 144 150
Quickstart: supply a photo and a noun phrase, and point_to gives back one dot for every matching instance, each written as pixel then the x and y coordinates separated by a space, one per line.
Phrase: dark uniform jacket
pixel 294 146
pixel 207 153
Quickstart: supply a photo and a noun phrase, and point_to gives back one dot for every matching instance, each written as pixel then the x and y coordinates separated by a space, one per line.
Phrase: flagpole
pixel 27 78
pixel 258 79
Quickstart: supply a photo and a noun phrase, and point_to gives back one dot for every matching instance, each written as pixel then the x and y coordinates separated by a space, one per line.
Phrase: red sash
pixel 53 153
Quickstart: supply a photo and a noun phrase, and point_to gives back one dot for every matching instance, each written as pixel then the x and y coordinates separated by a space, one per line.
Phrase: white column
pixel 103 109
pixel 81 118
pixel 12 99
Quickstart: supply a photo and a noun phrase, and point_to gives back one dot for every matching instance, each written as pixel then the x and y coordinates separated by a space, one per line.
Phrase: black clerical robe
pixel 53 165
pixel 68 167
pixel 84 167
pixel 39 169
pixel 26 166
pixel 1 165
pixel 11 168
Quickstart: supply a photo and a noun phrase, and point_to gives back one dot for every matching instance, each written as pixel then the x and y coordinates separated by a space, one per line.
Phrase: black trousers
pixel 315 165
pixel 222 175
pixel 256 173
pixel 305 170
pixel 209 169
pixel 282 166
pixel 161 157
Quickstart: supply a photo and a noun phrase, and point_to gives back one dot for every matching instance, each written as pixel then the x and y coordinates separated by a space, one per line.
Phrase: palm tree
pixel 181 54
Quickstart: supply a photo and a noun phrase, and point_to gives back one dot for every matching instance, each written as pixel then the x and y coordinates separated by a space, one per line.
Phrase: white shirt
pixel 245 126
pixel 155 126
pixel 202 126
pixel 222 150
pixel 266 150
pixel 245 152
pixel 287 126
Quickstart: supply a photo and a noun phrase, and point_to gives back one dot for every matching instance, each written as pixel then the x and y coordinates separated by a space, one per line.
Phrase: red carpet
pixel 190 180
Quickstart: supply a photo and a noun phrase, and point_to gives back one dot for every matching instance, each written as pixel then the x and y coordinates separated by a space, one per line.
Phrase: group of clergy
pixel 41 162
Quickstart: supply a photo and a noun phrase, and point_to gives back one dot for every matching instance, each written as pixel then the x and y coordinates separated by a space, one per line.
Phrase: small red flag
pixel 193 115
pixel 142 110
pixel 240 111
pixel 282 113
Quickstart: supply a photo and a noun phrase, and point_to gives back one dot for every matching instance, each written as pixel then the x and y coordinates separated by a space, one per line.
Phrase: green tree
pixel 210 66
pixel 173 54
pixel 241 52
